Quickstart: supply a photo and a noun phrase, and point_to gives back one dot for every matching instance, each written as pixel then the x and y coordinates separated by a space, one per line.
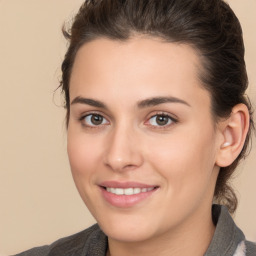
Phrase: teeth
pixel 138 190
pixel 128 191
pixel 119 191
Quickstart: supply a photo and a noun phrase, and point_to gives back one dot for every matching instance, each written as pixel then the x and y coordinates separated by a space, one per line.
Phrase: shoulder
pixel 250 248
pixel 228 239
pixel 77 244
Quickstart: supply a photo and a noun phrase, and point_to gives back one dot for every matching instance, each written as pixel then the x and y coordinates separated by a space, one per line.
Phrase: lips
pixel 128 191
pixel 126 194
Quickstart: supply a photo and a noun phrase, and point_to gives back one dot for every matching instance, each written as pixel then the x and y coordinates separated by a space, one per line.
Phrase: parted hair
pixel 209 26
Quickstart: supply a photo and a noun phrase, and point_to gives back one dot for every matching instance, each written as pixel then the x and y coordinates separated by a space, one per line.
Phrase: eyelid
pixel 173 119
pixel 86 114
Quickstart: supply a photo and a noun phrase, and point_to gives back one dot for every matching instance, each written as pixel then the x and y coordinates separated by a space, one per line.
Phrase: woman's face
pixel 141 140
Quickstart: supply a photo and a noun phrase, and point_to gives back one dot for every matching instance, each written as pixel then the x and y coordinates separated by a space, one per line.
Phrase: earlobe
pixel 234 131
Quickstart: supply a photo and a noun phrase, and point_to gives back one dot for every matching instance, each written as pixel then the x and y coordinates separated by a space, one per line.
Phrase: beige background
pixel 38 200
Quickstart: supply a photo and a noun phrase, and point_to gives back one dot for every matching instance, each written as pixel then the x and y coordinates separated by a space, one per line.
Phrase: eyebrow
pixel 91 102
pixel 141 104
pixel 160 100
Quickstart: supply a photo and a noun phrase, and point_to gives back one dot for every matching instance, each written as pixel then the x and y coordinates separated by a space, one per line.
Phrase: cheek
pixel 84 158
pixel 83 154
pixel 186 162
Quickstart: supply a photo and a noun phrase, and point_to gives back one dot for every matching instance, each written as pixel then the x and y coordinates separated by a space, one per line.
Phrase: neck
pixel 191 239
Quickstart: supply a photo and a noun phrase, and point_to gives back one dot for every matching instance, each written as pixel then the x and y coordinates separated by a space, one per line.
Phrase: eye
pixel 161 120
pixel 94 120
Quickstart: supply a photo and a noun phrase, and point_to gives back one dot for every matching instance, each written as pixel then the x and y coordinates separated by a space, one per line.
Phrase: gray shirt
pixel 228 240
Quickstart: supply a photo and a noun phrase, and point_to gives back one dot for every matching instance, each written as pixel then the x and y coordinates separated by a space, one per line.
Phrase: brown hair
pixel 209 26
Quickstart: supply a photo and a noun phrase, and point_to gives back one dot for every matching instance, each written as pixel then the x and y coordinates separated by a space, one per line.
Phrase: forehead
pixel 139 67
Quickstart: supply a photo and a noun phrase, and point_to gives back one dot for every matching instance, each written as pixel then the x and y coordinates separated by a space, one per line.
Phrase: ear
pixel 233 131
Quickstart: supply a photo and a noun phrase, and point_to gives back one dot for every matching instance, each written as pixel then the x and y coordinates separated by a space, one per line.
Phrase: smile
pixel 126 194
pixel 128 191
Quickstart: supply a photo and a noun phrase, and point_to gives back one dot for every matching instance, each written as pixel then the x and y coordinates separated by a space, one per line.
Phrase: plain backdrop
pixel 38 200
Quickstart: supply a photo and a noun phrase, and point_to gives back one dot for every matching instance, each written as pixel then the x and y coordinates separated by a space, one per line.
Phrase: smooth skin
pixel 119 130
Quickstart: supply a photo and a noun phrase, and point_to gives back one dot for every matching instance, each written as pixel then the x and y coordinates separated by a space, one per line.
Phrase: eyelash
pixel 82 119
pixel 171 120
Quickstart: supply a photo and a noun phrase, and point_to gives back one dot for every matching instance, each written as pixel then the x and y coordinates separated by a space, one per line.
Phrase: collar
pixel 227 235
pixel 227 240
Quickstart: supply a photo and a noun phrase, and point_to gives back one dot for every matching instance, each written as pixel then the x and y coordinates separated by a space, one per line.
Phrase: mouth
pixel 127 194
pixel 128 191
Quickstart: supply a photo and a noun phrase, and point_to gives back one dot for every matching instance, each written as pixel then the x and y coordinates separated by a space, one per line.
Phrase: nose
pixel 123 150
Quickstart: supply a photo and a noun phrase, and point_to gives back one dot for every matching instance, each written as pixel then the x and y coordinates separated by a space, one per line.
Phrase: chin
pixel 127 235
pixel 132 230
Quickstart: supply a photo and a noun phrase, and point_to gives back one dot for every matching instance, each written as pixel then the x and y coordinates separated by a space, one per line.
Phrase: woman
pixel 157 122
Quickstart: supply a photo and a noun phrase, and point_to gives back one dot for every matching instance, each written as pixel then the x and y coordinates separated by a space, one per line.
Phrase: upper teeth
pixel 128 191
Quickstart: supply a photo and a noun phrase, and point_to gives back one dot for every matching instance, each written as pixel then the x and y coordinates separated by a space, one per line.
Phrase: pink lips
pixel 126 194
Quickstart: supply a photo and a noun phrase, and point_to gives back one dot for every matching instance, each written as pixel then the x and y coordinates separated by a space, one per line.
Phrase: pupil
pixel 96 119
pixel 162 120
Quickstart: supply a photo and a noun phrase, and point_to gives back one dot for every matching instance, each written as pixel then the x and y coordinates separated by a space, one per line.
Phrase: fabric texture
pixel 228 240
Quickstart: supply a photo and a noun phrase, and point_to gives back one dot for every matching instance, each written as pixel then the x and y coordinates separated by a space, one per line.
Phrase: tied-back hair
pixel 210 27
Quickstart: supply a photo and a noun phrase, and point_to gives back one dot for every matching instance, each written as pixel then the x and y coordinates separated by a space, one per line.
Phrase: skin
pixel 179 157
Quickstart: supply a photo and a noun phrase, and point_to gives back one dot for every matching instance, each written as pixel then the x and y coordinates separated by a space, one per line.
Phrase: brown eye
pixel 94 120
pixel 161 120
